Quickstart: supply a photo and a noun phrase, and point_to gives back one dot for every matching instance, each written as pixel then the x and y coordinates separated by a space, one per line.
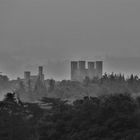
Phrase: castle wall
pixel 91 70
pixel 82 70
pixel 30 80
pixel 99 69
pixel 79 71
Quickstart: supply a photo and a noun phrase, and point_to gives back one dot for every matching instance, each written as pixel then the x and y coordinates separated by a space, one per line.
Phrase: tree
pixel 112 117
pixel 16 119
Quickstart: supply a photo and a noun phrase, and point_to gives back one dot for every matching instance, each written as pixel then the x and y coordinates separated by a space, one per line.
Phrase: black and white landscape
pixel 69 70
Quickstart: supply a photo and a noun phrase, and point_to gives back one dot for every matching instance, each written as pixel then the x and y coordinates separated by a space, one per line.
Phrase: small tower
pixel 91 70
pixel 40 73
pixel 99 68
pixel 74 68
pixel 82 70
pixel 40 70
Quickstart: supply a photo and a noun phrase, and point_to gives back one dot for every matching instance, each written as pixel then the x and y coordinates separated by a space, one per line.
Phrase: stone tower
pixel 40 73
pixel 74 68
pixel 91 70
pixel 82 70
pixel 99 69
pixel 79 71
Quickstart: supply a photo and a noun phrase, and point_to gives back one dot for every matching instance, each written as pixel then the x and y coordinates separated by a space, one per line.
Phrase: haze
pixel 53 32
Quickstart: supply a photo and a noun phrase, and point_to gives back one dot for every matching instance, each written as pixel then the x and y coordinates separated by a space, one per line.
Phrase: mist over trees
pixel 108 84
pixel 97 109
pixel 107 117
pixel 71 90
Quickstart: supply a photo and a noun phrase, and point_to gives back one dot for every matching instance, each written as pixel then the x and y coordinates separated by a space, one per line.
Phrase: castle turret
pixel 79 71
pixel 82 70
pixel 40 70
pixel 91 70
pixel 82 65
pixel 99 68
pixel 27 75
pixel 40 73
pixel 74 68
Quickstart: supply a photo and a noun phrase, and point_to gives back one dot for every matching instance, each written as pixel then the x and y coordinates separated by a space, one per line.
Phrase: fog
pixel 53 32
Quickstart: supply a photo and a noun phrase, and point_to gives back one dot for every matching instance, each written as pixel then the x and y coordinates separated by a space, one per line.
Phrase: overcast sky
pixel 53 32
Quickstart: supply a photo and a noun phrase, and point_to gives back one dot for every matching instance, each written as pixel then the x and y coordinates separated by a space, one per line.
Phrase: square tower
pixel 40 73
pixel 74 69
pixel 99 68
pixel 91 70
pixel 82 70
pixel 27 75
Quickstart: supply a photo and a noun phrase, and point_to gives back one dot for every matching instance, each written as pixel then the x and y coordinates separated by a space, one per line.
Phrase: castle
pixel 30 81
pixel 33 87
pixel 79 71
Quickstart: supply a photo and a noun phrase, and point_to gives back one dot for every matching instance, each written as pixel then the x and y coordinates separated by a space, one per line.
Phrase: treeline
pixel 106 117
pixel 71 90
pixel 109 83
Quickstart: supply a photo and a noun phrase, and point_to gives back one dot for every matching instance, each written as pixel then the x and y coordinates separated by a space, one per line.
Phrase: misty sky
pixel 53 32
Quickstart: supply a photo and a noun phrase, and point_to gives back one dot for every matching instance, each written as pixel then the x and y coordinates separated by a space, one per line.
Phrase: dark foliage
pixel 113 117
pixel 17 119
pixel 109 83
pixel 106 117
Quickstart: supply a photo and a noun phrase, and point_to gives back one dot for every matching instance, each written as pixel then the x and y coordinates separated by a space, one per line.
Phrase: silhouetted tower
pixel 99 68
pixel 74 68
pixel 27 75
pixel 82 65
pixel 82 70
pixel 40 73
pixel 91 70
pixel 79 71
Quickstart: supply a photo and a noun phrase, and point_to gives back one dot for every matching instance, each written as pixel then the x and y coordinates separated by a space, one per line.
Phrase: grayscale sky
pixel 53 32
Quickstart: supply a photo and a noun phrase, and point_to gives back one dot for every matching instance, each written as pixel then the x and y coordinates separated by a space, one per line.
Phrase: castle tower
pixel 82 70
pixel 91 70
pixel 82 65
pixel 40 70
pixel 40 73
pixel 27 75
pixel 74 68
pixel 99 68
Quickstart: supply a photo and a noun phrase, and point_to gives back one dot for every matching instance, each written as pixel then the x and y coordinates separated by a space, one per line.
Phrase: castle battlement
pixel 79 71
pixel 31 80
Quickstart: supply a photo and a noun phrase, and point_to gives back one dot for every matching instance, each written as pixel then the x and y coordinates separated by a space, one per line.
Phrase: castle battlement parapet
pixel 79 71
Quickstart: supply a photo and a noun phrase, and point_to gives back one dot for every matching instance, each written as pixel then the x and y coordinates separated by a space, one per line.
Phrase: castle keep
pixel 30 81
pixel 79 71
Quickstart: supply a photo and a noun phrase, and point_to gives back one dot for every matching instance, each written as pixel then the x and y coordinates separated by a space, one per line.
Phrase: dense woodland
pixel 108 84
pixel 112 115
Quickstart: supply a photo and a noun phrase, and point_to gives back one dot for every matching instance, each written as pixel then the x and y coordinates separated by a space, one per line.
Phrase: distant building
pixel 79 71
pixel 32 87
pixel 30 81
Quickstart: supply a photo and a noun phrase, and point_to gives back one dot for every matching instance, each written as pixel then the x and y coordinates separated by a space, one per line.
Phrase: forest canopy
pixel 106 117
